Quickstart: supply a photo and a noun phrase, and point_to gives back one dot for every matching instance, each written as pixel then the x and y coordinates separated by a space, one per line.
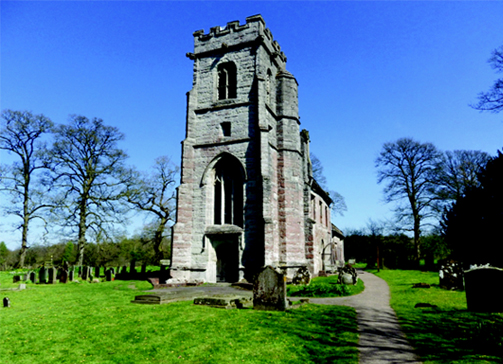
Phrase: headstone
pixel 63 278
pixel 347 275
pixel 21 286
pixel 109 274
pixel 33 277
pixel 16 279
pixel 42 275
pixel 124 270
pixel 52 275
pixel 97 272
pixel 86 271
pixel 6 302
pixel 269 290
pixel 302 276
pixel 481 294
pixel 71 275
pixel 80 271
pixel 164 273
pixel 451 275
pixel 24 277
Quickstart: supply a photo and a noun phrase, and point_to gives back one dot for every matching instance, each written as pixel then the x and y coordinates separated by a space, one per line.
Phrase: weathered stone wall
pixel 263 137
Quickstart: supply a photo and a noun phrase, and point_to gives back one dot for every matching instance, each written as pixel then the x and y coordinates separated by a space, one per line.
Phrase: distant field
pixel 96 323
pixel 449 333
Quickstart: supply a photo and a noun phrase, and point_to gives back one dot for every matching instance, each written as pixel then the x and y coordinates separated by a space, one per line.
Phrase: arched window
pixel 227 80
pixel 228 193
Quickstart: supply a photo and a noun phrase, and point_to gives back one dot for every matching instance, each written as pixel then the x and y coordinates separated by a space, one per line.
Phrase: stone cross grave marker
pixel 269 290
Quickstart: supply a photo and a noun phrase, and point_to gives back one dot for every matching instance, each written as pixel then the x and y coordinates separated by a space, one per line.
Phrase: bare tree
pixel 457 172
pixel 155 194
pixel 492 100
pixel 22 136
pixel 408 168
pixel 88 168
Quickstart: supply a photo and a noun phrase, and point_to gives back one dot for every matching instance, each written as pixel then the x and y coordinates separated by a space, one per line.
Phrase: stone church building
pixel 247 196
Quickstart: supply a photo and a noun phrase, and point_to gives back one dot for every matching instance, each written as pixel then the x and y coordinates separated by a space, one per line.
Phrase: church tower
pixel 246 195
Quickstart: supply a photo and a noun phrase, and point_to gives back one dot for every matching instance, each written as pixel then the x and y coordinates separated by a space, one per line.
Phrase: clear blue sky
pixel 368 73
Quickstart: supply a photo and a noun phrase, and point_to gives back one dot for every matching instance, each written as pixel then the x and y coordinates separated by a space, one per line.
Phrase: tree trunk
pixel 82 234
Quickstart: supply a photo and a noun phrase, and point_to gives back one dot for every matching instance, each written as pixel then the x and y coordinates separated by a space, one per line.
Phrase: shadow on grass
pixel 455 335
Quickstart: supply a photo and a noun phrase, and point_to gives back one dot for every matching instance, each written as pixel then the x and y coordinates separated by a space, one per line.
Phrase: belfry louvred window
pixel 227 79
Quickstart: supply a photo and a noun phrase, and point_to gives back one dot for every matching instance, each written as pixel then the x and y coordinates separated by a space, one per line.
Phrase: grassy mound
pixel 325 287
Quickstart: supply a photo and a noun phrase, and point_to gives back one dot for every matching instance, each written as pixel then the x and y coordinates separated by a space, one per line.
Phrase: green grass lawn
pixel 96 323
pixel 325 287
pixel 449 333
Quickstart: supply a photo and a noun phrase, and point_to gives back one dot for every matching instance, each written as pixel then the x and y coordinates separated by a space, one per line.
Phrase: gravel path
pixel 381 338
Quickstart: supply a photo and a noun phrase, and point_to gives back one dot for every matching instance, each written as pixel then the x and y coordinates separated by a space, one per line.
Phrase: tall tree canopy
pixel 408 168
pixel 457 172
pixel 21 135
pixel 473 224
pixel 87 168
pixel 492 100
pixel 155 194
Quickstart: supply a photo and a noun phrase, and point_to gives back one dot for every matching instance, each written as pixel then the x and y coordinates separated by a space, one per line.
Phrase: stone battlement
pixel 234 34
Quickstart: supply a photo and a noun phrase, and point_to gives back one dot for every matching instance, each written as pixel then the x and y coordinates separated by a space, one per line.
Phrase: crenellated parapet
pixel 235 35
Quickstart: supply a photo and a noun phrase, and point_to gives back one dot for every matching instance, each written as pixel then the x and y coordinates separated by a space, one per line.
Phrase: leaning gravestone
pixel 481 294
pixel 269 290
pixel 52 275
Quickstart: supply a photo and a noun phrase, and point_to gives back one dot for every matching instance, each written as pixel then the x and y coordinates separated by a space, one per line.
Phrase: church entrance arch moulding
pixel 223 183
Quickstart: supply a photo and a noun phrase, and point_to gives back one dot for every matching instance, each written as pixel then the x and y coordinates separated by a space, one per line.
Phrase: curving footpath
pixel 381 338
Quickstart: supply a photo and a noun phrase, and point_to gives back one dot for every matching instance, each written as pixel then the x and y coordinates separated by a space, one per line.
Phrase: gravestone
pixel 16 279
pixel 21 286
pixel 42 275
pixel 63 278
pixel 86 272
pixel 6 302
pixel 80 271
pixel 481 294
pixel 302 276
pixel 52 275
pixel 109 274
pixel 71 274
pixel 451 275
pixel 347 275
pixel 164 274
pixel 33 277
pixel 24 277
pixel 269 290
pixel 97 272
